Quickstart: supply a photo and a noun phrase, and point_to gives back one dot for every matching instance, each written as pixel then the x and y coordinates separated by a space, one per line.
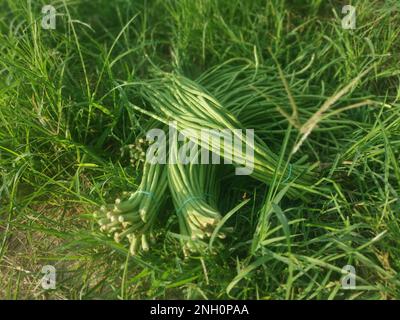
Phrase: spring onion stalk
pixel 195 191
pixel 132 218
pixel 225 99
pixel 176 98
pixel 250 92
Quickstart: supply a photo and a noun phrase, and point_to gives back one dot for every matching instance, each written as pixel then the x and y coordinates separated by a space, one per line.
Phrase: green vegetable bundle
pixel 195 191
pixel 251 93
pixel 176 98
pixel 236 102
pixel 133 217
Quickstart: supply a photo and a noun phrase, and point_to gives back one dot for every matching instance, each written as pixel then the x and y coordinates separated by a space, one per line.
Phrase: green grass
pixel 65 113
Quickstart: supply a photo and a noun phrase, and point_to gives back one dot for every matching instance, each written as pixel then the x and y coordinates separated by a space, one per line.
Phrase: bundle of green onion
pixel 195 191
pixel 236 102
pixel 250 92
pixel 133 217
pixel 176 98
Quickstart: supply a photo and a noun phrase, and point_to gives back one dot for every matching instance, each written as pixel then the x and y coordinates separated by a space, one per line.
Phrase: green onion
pixel 133 218
pixel 176 98
pixel 195 192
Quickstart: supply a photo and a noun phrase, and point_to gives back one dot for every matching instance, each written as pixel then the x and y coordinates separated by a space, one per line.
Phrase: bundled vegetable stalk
pixel 193 185
pixel 251 93
pixel 133 218
pixel 195 191
pixel 177 98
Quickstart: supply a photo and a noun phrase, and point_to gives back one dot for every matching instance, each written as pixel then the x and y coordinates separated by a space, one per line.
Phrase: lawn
pixel 318 217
